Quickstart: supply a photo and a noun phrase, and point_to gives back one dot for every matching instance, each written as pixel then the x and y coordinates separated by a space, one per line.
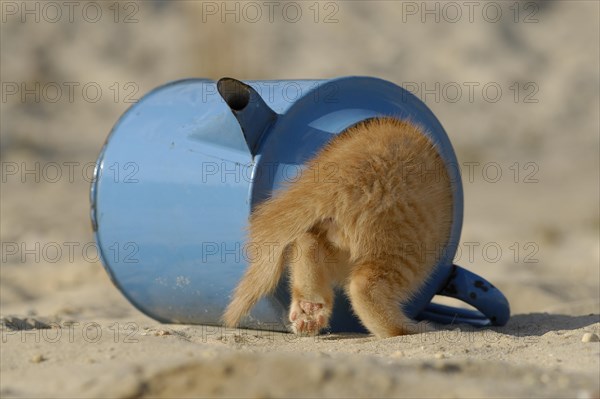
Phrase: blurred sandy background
pixel 68 73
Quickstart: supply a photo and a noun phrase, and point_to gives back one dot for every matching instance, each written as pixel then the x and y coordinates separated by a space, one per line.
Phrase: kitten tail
pixel 274 225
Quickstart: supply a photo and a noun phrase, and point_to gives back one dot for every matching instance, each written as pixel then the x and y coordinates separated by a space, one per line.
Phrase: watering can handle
pixel 492 306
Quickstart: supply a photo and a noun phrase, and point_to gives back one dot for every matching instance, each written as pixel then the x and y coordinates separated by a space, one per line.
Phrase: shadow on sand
pixel 521 325
pixel 536 324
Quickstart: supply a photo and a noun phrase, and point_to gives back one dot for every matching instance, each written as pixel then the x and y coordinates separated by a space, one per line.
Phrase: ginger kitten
pixel 371 213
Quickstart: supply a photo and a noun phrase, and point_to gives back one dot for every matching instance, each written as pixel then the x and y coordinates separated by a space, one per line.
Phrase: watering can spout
pixel 251 111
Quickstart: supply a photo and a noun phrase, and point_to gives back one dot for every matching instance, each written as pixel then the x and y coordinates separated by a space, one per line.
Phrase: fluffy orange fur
pixel 371 213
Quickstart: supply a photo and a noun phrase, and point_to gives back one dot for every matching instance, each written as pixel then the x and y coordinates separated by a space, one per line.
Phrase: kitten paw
pixel 308 317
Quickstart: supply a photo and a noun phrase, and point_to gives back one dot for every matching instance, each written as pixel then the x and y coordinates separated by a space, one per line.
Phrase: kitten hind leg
pixel 312 292
pixel 376 292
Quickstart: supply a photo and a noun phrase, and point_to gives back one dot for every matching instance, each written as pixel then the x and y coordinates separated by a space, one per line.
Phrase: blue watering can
pixel 182 169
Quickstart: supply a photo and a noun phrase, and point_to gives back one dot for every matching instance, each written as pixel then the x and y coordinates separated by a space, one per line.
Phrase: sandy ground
pixel 66 330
